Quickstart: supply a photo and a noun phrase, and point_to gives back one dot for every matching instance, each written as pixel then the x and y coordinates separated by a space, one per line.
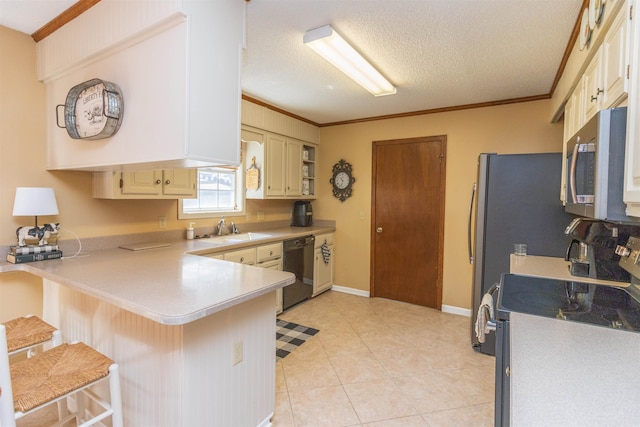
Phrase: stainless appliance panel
pixel 595 167
pixel 517 202
pixel 298 259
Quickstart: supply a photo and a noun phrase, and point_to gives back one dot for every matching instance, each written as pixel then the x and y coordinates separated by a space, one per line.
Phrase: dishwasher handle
pixel 298 243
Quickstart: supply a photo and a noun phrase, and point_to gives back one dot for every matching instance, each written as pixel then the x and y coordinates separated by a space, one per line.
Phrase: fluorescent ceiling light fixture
pixel 328 44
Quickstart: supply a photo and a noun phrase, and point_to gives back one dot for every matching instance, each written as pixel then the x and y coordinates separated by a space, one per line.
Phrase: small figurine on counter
pixel 41 234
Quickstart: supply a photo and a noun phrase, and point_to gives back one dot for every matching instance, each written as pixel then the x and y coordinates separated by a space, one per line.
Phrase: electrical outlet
pixel 248 216
pixel 260 216
pixel 361 214
pixel 238 352
pixel 162 222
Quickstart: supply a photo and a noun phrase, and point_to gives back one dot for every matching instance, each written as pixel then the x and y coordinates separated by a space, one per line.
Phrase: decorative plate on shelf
pixel 596 7
pixel 585 30
pixel 93 110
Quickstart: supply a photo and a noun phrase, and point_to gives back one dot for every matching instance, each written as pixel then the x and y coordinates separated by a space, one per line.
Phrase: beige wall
pixel 22 163
pixel 515 128
pixel 505 129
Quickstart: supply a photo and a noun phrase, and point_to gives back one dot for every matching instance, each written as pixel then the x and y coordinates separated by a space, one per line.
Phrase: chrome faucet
pixel 221 226
pixel 234 229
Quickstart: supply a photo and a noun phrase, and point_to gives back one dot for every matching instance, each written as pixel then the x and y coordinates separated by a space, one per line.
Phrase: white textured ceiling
pixel 439 53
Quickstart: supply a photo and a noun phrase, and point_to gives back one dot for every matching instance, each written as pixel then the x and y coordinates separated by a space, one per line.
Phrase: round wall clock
pixel 342 180
pixel 93 110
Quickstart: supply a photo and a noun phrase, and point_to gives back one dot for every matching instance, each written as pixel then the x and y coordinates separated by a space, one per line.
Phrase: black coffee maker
pixel 302 215
pixel 592 250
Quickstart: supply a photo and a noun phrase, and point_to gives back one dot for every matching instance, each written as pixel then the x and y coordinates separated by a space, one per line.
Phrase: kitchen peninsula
pixel 194 336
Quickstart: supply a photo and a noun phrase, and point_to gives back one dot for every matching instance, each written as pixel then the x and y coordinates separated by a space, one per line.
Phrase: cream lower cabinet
pixel 242 256
pixel 264 256
pixel 148 184
pixel 322 268
pixel 270 256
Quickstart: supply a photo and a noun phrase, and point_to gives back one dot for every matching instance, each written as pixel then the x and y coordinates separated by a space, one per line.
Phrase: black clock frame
pixel 344 193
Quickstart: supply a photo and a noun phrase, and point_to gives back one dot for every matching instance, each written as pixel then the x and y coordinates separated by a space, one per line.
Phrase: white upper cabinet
pixel 279 163
pixel 632 153
pixel 603 82
pixel 592 87
pixel 146 184
pixel 615 61
pixel 181 108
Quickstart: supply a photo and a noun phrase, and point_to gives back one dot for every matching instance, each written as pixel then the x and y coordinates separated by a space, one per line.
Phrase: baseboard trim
pixel 351 291
pixel 456 310
pixel 445 308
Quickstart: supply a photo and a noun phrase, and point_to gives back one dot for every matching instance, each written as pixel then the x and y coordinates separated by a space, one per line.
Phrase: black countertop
pixel 601 305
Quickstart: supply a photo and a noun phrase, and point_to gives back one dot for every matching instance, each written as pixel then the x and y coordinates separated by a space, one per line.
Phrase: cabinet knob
pixel 241 259
pixel 158 182
pixel 379 230
pixel 167 182
pixel 270 253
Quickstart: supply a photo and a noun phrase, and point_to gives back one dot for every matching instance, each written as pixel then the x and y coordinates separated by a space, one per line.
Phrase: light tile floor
pixel 378 362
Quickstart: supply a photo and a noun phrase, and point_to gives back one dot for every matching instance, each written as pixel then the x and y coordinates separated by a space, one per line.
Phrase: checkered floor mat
pixel 290 336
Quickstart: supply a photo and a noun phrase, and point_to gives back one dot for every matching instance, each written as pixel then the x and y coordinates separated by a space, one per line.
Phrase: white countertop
pixel 551 267
pixel 170 285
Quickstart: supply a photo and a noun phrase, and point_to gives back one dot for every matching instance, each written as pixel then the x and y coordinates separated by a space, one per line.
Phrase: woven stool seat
pixel 54 373
pixel 27 331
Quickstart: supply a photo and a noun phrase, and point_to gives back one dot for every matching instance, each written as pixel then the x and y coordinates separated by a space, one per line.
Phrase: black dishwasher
pixel 298 259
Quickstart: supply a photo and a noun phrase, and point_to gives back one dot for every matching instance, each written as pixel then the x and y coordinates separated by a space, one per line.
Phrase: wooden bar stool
pixel 31 384
pixel 29 332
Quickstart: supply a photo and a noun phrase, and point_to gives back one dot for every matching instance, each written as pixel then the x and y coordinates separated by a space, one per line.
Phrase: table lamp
pixel 34 201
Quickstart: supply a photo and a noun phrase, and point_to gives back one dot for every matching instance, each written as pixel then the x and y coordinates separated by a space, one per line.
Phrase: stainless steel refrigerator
pixel 516 200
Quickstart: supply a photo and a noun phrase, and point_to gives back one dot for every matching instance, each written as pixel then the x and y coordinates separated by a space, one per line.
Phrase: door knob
pixel 379 230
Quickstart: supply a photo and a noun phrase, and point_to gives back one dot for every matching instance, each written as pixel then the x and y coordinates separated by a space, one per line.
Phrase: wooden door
pixel 407 236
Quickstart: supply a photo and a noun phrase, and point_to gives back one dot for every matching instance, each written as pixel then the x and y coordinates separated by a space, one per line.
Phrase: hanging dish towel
pixel 326 252
pixel 485 313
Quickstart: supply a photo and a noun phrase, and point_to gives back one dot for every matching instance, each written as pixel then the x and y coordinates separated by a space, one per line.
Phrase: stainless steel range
pixel 543 351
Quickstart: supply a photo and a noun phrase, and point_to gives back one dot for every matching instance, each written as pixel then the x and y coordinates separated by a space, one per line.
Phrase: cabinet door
pixel 179 182
pixel 275 166
pixel 242 256
pixel 148 182
pixel 269 252
pixel 592 87
pixel 322 271
pixel 632 154
pixel 294 168
pixel 615 59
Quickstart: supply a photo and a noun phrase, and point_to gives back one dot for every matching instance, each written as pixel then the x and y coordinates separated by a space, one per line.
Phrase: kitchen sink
pixel 237 238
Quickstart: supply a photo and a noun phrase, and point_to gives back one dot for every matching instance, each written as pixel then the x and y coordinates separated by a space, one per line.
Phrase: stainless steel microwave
pixel 595 167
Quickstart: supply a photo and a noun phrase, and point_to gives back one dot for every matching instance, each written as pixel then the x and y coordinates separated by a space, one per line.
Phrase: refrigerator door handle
pixel 473 194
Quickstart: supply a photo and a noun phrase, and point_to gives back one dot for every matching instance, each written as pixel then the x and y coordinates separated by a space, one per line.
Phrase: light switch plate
pixel 238 352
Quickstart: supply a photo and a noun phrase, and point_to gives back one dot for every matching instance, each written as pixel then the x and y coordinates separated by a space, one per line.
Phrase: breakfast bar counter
pixel 194 336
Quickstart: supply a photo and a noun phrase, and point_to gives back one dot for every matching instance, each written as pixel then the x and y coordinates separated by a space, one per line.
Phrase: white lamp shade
pixel 35 201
